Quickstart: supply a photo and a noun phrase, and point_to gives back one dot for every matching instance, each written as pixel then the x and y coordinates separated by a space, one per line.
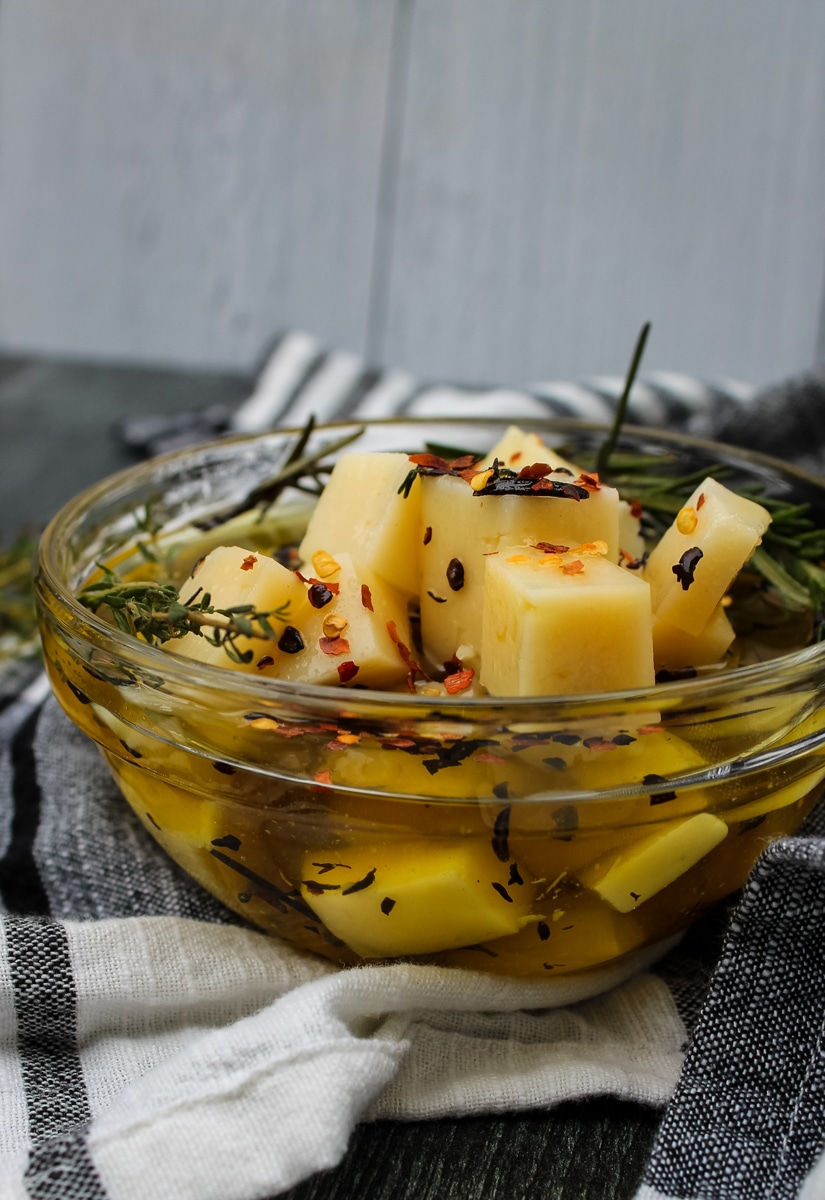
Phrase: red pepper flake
pixel 643 729
pixel 266 661
pixel 433 461
pixel 327 583
pixel 550 548
pixel 322 777
pixel 366 597
pixel 534 471
pixel 347 671
pixel 700 500
pixel 576 567
pixel 598 743
pixel 486 757
pixel 398 744
pixel 428 535
pixel 636 509
pixel 591 482
pixel 249 562
pixel 460 681
pixel 334 647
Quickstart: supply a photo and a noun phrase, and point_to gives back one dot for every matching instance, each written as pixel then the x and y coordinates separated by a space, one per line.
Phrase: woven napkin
pixel 150 1044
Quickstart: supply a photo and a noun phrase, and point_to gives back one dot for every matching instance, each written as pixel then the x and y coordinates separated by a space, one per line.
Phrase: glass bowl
pixel 527 836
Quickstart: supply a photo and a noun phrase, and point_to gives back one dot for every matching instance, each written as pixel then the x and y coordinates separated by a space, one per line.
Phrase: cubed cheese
pixel 673 648
pixel 232 576
pixel 361 512
pixel 649 865
pixel 415 897
pixel 517 449
pixel 701 553
pixel 353 629
pixel 562 624
pixel 461 528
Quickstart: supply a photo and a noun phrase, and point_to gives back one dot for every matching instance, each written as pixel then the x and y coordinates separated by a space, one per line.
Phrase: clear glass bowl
pixel 519 836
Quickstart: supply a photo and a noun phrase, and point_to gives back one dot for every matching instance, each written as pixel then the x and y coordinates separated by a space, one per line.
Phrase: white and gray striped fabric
pixel 150 1045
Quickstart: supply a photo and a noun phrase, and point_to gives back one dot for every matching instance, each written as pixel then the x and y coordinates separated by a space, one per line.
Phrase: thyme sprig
pixel 156 613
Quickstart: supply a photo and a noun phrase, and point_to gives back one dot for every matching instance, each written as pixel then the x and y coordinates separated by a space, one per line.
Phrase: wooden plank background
pixel 478 190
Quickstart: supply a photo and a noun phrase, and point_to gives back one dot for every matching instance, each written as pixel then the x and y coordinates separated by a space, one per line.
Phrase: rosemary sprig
pixel 156 613
pixel 300 470
pixel 609 444
pixel 791 558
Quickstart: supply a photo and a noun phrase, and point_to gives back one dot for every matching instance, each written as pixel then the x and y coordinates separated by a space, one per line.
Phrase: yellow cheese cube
pixel 700 554
pixel 415 897
pixel 234 576
pixel 360 512
pixel 563 624
pixel 673 648
pixel 517 449
pixel 646 867
pixel 460 528
pixel 631 543
pixel 351 631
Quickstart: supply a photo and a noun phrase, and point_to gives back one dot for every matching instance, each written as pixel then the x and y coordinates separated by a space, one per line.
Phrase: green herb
pixel 156 613
pixel 791 557
pixel 18 624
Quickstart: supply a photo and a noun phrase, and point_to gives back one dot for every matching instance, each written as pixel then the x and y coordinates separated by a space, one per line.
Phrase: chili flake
pixel 576 567
pixel 334 625
pixel 322 777
pixel 686 519
pixel 346 672
pixel 550 548
pixel 249 562
pixel 333 646
pixel 459 681
pixel 324 564
pixel 636 509
pixel 366 598
pixel 428 535
pixel 265 661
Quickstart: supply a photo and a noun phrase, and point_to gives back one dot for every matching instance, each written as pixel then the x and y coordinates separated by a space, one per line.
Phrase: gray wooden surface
pixel 485 190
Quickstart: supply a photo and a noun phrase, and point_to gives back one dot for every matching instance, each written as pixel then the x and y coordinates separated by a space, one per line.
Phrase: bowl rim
pixel 185 671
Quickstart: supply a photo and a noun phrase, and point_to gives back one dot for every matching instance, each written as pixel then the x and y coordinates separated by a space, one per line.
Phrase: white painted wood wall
pixel 482 190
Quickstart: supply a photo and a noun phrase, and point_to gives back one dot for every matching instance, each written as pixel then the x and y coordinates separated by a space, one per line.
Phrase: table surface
pixel 59 432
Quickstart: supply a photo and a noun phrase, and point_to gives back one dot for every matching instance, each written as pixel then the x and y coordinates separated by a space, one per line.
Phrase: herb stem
pixel 609 444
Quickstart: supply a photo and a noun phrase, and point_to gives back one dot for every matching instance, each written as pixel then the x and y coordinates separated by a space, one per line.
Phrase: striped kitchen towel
pixel 152 1045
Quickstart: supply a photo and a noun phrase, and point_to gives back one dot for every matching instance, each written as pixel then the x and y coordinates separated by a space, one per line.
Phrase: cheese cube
pixel 351 630
pixel 517 449
pixel 643 869
pixel 673 648
pixel 360 512
pixel 461 527
pixel 415 897
pixel 701 553
pixel 563 624
pixel 234 576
